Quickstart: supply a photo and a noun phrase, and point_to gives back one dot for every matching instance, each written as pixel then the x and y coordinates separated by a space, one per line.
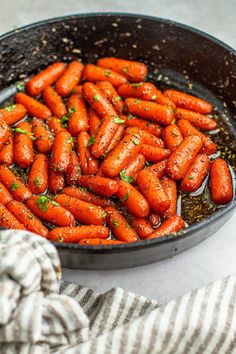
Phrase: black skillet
pixel 184 56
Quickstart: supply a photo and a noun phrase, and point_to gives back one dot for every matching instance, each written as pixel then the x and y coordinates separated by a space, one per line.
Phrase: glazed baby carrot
pixel 99 185
pixel 116 139
pixel 170 188
pixel 6 152
pixel 45 78
pixel 154 219
pixel 94 122
pixel 43 137
pixel 78 90
pixel 38 174
pixel 88 164
pixel 97 100
pixel 159 168
pixel 14 185
pixel 98 241
pixel 25 216
pixel 106 132
pixel 4 132
pixel 23 145
pixel 171 225
pixel 61 150
pixel 70 78
pixel 5 196
pixel 221 186
pixel 54 102
pixel 196 173
pixel 186 101
pixel 55 125
pixel 148 138
pixel 134 71
pixel 111 94
pixel 34 107
pixel 151 127
pixel 154 154
pixel 8 220
pixel 93 73
pixel 151 188
pixel 50 211
pixel 77 233
pixel 172 136
pixel 84 212
pixel 150 110
pixel 56 181
pixel 118 158
pixel 73 172
pixel 133 200
pixel 142 228
pixel 78 121
pixel 197 119
pixel 82 194
pixel 209 147
pixel 119 226
pixel 13 113
pixel 135 165
pixel 180 159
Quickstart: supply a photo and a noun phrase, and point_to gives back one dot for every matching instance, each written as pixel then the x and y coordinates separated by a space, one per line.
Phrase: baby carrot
pixel 78 121
pixel 148 138
pixel 25 216
pixel 221 186
pixel 23 145
pixel 172 136
pixel 171 225
pixel 6 152
pixel 98 241
pixel 61 150
pixel 196 173
pixel 151 188
pixel 97 100
pixel 8 220
pixel 150 110
pixel 5 196
pixel 170 188
pixel 82 194
pixel 70 78
pixel 118 158
pixel 34 107
pixel 209 147
pixel 94 122
pixel 151 127
pixel 38 174
pixel 84 212
pixel 142 228
pixel 55 125
pixel 111 94
pixel 186 101
pixel 43 137
pixel 45 78
pixel 119 226
pixel 88 164
pixel 134 71
pixel 133 200
pixel 54 102
pixel 135 165
pixel 14 185
pixel 197 119
pixel 50 211
pixel 154 154
pixel 180 159
pixel 93 73
pixel 56 181
pixel 13 113
pixel 77 233
pixel 73 172
pixel 99 185
pixel 159 168
pixel 116 139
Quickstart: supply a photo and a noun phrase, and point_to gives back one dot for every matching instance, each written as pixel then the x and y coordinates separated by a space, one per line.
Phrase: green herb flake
pixel 104 214
pixel 42 203
pixel 116 224
pixel 30 216
pixel 135 142
pixel 22 131
pixel 70 140
pixel 149 124
pixel 153 97
pixel 10 108
pixel 173 121
pixel 130 116
pixel 60 239
pixel 20 86
pixel 83 189
pixel 54 203
pixel 125 70
pixel 117 98
pixel 125 178
pixel 73 91
pixel 107 72
pixel 147 109
pixel 137 85
pixel 118 120
pixel 37 181
pixel 91 207
pixel 96 98
pixel 190 177
pixel 136 101
pixel 91 140
pixel 14 186
pixel 65 118
pixel 127 226
pixel 126 196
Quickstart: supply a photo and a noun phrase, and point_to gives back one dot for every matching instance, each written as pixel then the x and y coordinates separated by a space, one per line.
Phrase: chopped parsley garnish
pixel 125 178
pixel 107 72
pixel 60 239
pixel 70 140
pixel 96 98
pixel 138 84
pixel 83 189
pixel 173 121
pixel 31 217
pixel 136 101
pixel 73 91
pixel 116 223
pixel 190 177
pixel 54 203
pixel 14 186
pixel 21 131
pixel 118 120
pixel 104 214
pixel 146 109
pixel 130 116
pixel 20 86
pixel 126 196
pixel 125 70
pixel 65 118
pixel 135 142
pixel 153 97
pixel 42 203
pixel 10 108
pixel 117 98
pixel 37 181
pixel 91 140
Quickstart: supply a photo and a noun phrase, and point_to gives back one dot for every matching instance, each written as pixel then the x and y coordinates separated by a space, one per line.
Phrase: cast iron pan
pixel 173 52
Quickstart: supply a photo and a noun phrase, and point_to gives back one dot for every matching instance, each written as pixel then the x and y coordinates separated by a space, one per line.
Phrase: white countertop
pixel 211 259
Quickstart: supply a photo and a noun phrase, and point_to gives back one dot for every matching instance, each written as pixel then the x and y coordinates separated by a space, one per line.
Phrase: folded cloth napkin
pixel 35 318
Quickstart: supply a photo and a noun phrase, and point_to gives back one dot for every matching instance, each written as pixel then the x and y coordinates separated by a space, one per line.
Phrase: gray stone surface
pixel 215 257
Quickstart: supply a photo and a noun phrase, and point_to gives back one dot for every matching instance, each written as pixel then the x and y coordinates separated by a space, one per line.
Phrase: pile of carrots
pixel 104 150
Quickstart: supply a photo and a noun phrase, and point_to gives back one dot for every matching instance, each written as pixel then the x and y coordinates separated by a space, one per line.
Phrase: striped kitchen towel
pixel 35 318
